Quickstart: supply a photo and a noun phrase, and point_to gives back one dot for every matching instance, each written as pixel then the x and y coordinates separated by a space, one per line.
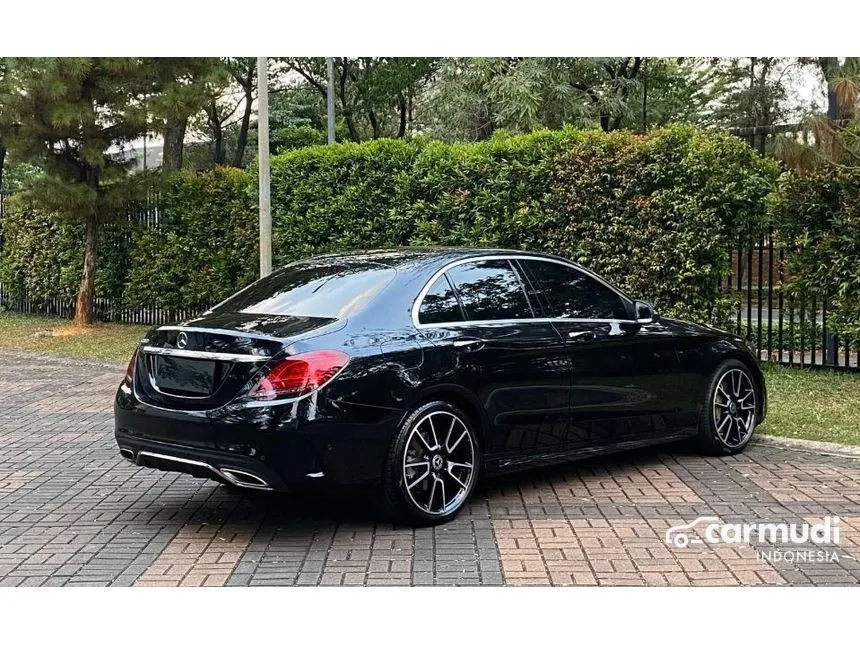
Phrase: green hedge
pixel 205 246
pixel 818 217
pixel 656 214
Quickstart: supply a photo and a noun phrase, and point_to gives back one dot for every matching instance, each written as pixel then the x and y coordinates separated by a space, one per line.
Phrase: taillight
pixel 299 375
pixel 129 371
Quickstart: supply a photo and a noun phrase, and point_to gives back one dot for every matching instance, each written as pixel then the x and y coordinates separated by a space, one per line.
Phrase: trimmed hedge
pixel 205 246
pixel 818 217
pixel 655 214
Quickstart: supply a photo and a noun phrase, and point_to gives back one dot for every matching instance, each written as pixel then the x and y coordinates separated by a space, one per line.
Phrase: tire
pixel 432 466
pixel 729 414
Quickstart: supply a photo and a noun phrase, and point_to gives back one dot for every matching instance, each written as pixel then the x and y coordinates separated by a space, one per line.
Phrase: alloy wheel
pixel 439 463
pixel 734 408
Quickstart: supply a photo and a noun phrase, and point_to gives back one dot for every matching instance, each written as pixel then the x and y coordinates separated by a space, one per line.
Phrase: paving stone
pixel 73 513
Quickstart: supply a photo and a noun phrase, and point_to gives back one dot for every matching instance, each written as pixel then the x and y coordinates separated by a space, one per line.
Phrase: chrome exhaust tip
pixel 127 453
pixel 244 479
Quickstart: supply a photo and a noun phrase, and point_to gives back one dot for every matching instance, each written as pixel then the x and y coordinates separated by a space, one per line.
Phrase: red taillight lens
pixel 299 375
pixel 129 371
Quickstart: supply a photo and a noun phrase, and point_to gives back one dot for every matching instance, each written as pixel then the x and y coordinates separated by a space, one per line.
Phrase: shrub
pixel 817 217
pixel 656 214
pixel 42 255
pixel 205 246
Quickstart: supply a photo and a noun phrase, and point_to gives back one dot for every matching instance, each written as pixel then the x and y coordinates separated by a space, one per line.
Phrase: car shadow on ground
pixel 283 509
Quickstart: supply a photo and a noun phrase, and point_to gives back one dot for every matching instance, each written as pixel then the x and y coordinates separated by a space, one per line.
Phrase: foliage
pixel 473 97
pixel 655 214
pixel 204 248
pixel 818 217
pixel 69 115
pixel 17 175
pixel 185 86
pixel 42 254
pixel 374 95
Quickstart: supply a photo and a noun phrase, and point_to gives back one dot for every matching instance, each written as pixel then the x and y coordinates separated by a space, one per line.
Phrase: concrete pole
pixel 330 99
pixel 264 171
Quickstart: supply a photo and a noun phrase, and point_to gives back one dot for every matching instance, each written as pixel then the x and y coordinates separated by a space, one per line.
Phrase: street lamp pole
pixel 330 99
pixel 264 171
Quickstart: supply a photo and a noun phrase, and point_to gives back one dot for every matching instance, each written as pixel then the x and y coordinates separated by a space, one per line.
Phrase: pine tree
pixel 73 116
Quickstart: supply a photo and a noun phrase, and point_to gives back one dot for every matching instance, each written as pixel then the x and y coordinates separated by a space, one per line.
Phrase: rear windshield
pixel 316 290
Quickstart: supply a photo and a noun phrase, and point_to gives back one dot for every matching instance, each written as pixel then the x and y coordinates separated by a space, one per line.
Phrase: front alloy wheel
pixel 729 415
pixel 433 465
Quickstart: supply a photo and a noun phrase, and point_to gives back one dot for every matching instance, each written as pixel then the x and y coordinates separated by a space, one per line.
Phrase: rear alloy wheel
pixel 729 416
pixel 433 465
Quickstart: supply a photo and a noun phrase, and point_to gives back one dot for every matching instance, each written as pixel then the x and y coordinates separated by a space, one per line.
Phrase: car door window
pixel 440 304
pixel 490 290
pixel 571 293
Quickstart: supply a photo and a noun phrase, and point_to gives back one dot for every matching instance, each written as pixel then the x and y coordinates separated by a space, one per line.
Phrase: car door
pixel 494 345
pixel 624 374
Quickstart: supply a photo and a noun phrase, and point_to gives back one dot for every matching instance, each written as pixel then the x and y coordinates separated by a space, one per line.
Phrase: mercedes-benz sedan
pixel 412 371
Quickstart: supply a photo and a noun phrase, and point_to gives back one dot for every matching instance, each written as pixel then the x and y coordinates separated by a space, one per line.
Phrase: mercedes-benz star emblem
pixel 182 340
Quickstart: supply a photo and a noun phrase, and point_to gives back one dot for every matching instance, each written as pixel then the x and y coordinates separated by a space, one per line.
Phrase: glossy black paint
pixel 539 390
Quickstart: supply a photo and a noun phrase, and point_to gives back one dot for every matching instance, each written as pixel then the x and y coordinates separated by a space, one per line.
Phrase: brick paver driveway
pixel 72 512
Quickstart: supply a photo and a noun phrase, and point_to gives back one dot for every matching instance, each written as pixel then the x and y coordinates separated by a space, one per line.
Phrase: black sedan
pixel 412 371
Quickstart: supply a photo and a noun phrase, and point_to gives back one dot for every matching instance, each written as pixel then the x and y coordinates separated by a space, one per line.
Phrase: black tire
pixel 401 488
pixel 728 435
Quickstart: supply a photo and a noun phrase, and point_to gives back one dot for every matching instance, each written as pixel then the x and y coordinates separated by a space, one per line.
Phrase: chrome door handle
pixel 584 335
pixel 472 343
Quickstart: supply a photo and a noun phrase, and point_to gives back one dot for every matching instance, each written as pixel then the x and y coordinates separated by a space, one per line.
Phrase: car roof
pixel 398 256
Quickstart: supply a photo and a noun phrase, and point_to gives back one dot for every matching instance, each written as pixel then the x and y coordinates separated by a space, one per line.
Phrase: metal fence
pixel 785 329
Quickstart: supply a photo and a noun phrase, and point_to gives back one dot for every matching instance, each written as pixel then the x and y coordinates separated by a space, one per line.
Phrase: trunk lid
pixel 204 363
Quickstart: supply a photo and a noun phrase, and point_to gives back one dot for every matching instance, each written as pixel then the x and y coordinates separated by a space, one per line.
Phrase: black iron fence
pixel 784 328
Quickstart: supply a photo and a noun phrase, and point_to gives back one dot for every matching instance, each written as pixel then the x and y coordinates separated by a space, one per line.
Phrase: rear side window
pixel 315 290
pixel 490 290
pixel 440 304
pixel 574 294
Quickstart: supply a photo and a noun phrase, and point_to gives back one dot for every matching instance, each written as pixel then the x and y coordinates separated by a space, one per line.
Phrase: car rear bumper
pixel 242 472
pixel 277 448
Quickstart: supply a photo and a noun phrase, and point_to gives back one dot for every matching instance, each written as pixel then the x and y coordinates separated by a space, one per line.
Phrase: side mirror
pixel 643 312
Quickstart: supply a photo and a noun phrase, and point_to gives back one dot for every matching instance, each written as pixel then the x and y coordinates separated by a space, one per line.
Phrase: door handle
pixel 581 335
pixel 469 344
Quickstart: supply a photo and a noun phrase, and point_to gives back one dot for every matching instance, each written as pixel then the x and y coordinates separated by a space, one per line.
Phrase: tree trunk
pixel 2 161
pixel 174 142
pixel 84 308
pixel 374 124
pixel 830 67
pixel 401 131
pixel 242 142
pixel 218 156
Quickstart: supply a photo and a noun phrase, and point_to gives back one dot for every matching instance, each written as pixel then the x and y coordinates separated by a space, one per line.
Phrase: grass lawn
pixel 807 404
pixel 804 404
pixel 110 342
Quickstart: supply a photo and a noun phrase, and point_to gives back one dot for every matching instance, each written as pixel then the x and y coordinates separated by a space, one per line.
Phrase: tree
pixel 244 71
pixel 375 96
pixel 72 116
pixel 184 86
pixel 475 96
pixel 831 137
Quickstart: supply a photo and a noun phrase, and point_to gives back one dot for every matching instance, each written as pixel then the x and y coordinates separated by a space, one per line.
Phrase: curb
pixel 807 445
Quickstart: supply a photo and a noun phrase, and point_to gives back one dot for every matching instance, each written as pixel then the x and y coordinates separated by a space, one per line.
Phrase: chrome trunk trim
pixel 209 356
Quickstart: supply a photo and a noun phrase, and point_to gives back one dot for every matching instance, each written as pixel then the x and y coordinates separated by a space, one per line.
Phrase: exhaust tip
pixel 127 453
pixel 244 479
